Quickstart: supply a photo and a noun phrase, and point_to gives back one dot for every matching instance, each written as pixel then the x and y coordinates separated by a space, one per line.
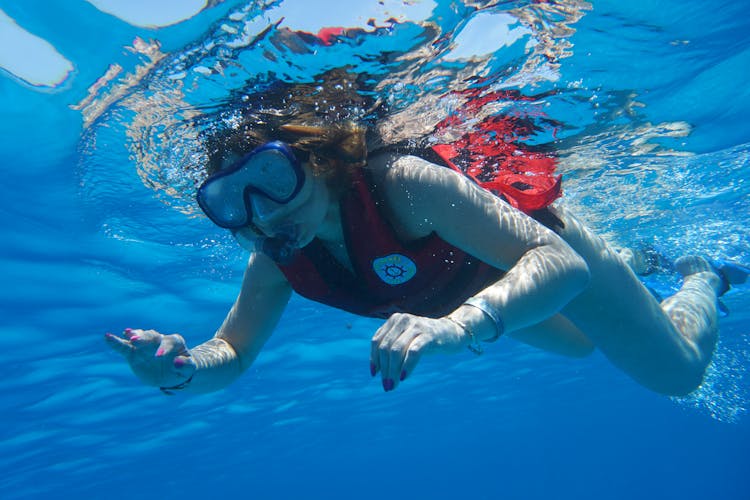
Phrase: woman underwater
pixel 448 264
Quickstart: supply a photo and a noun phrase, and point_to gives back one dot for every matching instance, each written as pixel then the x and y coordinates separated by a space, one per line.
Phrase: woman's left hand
pixel 399 343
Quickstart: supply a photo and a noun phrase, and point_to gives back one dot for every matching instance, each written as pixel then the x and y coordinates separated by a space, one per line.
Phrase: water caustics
pixel 411 59
pixel 409 66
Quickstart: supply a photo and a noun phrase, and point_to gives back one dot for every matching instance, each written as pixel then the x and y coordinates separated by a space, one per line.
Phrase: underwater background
pixel 645 104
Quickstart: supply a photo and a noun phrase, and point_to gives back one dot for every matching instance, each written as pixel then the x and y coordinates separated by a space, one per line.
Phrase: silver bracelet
pixel 489 311
pixel 474 346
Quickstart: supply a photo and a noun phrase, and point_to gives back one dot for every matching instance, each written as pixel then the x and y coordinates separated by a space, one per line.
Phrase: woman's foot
pixel 729 273
pixel 696 267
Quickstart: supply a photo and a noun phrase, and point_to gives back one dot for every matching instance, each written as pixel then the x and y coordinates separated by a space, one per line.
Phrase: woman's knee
pixel 677 381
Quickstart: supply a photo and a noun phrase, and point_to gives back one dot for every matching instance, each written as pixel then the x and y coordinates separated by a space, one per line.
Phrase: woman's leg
pixel 693 309
pixel 556 334
pixel 666 346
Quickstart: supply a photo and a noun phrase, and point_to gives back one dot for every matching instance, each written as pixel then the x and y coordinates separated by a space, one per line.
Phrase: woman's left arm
pixel 543 272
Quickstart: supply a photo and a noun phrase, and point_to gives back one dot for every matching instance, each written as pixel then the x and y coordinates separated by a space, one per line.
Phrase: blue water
pixel 653 143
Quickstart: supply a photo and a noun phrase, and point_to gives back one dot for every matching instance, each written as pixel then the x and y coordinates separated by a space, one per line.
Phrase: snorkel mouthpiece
pixel 280 249
pixel 282 246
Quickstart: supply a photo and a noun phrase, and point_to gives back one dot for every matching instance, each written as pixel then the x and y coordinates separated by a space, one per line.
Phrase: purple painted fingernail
pixel 179 362
pixel 373 370
pixel 160 352
pixel 403 375
pixel 388 384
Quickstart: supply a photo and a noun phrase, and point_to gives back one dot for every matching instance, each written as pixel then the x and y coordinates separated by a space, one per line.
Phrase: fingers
pixel 120 345
pixel 184 366
pixel 393 358
pixel 143 342
pixel 156 359
pixel 395 348
pixel 173 346
pixel 394 325
pixel 413 354
pixel 170 346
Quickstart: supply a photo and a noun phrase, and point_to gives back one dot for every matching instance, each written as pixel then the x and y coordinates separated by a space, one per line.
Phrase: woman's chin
pixel 304 240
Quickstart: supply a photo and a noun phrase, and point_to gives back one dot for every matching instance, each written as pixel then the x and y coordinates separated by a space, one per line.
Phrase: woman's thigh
pixel 623 319
pixel 556 334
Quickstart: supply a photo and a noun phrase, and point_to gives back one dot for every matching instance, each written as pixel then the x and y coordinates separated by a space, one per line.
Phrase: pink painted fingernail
pixel 160 352
pixel 179 362
pixel 128 330
pixel 373 370
pixel 403 375
pixel 388 384
pixel 134 338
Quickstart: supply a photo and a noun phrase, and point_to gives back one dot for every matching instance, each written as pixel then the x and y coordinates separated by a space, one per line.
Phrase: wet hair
pixel 319 120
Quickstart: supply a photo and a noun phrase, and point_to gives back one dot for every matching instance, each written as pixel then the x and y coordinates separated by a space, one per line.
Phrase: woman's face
pixel 299 220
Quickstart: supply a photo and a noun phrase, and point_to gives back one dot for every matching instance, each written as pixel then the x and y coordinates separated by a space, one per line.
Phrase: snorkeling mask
pixel 258 184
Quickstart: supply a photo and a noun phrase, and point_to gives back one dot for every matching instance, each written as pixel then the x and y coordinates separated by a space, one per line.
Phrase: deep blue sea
pixel 645 103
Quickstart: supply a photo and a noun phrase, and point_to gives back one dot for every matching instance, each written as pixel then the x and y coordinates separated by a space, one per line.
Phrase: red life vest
pixel 427 277
pixel 494 156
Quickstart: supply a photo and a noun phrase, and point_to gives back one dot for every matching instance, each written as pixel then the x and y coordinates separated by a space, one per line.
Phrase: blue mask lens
pixel 269 176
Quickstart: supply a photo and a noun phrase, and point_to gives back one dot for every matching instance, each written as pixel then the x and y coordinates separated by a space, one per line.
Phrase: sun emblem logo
pixel 394 269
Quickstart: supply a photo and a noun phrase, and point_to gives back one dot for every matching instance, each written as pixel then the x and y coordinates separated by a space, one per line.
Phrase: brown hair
pixel 332 151
pixel 319 121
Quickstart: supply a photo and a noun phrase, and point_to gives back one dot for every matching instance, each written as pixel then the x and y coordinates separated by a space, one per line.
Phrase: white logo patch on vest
pixel 394 269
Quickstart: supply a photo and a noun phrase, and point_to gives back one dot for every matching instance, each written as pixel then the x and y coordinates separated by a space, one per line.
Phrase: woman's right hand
pixel 158 360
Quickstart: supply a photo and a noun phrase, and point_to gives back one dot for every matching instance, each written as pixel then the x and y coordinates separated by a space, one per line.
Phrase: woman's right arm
pixel 262 299
pixel 164 360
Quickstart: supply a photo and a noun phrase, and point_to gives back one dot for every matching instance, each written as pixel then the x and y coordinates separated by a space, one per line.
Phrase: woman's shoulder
pixel 414 190
pixel 394 179
pixel 398 173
